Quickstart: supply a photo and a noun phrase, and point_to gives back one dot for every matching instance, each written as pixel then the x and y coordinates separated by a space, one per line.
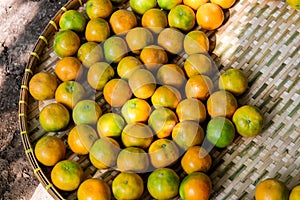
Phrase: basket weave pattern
pixel 262 39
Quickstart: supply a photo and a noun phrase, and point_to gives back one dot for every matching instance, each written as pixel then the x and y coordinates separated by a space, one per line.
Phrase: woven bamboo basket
pixel 261 38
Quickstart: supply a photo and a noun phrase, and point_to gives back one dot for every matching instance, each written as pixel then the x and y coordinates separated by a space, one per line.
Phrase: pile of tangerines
pixel 160 112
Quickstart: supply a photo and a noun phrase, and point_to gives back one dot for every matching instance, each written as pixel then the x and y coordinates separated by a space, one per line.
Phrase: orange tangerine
pixel 155 19
pixel 138 38
pixel 195 159
pixel 199 86
pixel 94 189
pixel 210 16
pixel 191 109
pixel 196 42
pixel 122 21
pixel 127 66
pixel 49 150
pixel 142 83
pixel 162 120
pixel 221 104
pixel 171 40
pixel 194 4
pixel 81 138
pixel 153 57
pixel 187 134
pixel 198 64
pixel 136 110
pixel 98 8
pixel 97 30
pixel 68 69
pixel 137 135
pixel 43 85
pixel 117 92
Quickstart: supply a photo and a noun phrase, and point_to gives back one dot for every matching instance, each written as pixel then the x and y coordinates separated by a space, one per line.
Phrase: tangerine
pixel 127 185
pixel 69 93
pixel 142 83
pixel 171 40
pixel 137 135
pixel 86 112
pixel 163 152
pixel 133 159
pixel 194 4
pixel 191 109
pixel 182 17
pixel 199 86
pixel 117 92
pixel 54 117
pixel 98 8
pixel 196 159
pixel 210 16
pixel 136 110
pixel 248 120
pixel 198 64
pixel 49 150
pixel 90 53
pixel 99 74
pixel 68 69
pixel 122 21
pixel 42 86
pixel 271 189
pixel 196 42
pixel 72 20
pixel 196 185
pixel 94 189
pixel 127 66
pixel 66 43
pixel 115 48
pixel 138 38
pixel 166 96
pixel 67 175
pixel 162 120
pixel 110 125
pixel 187 134
pixel 234 81
pixel 97 30
pixel 171 74
pixel 163 183
pixel 155 19
pixel 153 57
pixel 221 104
pixel 220 132
pixel 141 6
pixel 104 153
pixel 81 138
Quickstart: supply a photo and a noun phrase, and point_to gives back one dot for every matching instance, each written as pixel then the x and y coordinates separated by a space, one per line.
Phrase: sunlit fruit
pixel 163 183
pixel 271 189
pixel 67 175
pixel 54 117
pixel 99 74
pixel 248 120
pixel 49 150
pixel 72 20
pixel 127 185
pixel 220 132
pixel 42 86
pixel 86 112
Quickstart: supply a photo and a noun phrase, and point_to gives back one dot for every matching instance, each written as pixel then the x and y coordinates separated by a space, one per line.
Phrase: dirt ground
pixel 21 22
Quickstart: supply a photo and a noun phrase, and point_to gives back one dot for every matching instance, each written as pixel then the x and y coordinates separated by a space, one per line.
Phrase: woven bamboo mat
pixel 262 39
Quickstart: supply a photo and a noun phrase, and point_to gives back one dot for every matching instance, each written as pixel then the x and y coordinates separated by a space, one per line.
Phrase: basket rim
pixel 32 63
